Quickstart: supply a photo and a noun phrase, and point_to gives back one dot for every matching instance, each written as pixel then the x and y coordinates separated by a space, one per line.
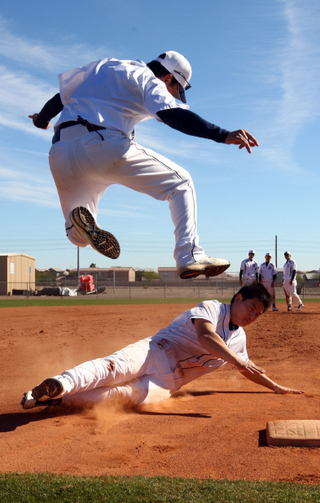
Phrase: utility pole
pixel 78 265
pixel 276 250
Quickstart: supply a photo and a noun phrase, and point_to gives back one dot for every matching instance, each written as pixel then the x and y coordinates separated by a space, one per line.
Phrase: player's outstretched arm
pixel 213 343
pixel 265 381
pixel 243 138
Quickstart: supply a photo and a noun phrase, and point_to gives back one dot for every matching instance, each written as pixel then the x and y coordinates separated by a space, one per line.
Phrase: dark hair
pixel 159 70
pixel 255 290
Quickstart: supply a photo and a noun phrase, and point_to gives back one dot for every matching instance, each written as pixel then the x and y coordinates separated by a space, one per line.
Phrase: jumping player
pixel 249 270
pixel 267 276
pixel 289 282
pixel 93 148
pixel 197 342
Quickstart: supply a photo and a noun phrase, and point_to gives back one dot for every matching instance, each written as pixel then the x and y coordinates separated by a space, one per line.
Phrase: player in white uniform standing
pixel 289 282
pixel 93 148
pixel 267 276
pixel 249 270
pixel 197 342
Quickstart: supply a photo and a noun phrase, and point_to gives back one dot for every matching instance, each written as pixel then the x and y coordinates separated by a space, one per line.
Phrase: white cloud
pixel 293 75
pixel 49 57
pixel 16 186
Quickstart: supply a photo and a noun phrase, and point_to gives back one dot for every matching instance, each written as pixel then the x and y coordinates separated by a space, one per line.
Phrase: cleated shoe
pixel 207 265
pixel 300 307
pixel 49 388
pixel 275 309
pixel 28 402
pixel 289 308
pixel 102 241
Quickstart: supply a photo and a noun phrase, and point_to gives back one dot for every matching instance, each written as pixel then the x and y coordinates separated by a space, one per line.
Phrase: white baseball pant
pixel 141 373
pixel 83 167
pixel 271 289
pixel 291 291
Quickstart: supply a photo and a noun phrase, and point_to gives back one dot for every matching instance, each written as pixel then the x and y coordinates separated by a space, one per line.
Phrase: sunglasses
pixel 188 85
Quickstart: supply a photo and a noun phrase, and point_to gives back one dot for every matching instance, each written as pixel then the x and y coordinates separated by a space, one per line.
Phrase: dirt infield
pixel 215 428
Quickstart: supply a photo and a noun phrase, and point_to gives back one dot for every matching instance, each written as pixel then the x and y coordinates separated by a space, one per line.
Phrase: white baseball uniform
pixel 290 289
pixel 154 368
pixel 268 271
pixel 117 95
pixel 249 270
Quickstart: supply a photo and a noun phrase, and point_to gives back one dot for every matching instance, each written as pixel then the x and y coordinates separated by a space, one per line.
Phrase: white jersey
pixel 113 93
pixel 193 358
pixel 267 271
pixel 288 269
pixel 249 268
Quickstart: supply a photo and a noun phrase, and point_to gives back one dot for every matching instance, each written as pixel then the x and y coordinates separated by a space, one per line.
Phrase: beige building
pixel 17 272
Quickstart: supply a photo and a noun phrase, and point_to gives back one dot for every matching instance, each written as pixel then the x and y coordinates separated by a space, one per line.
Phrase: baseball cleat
pixel 28 402
pixel 275 309
pixel 207 265
pixel 48 389
pixel 290 308
pixel 102 241
pixel 300 307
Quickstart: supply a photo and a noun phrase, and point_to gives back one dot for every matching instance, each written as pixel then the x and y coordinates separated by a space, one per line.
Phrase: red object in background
pixel 86 283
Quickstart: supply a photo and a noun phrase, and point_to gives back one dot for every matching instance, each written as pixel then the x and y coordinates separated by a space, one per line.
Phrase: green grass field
pixel 50 488
pixel 38 488
pixel 71 301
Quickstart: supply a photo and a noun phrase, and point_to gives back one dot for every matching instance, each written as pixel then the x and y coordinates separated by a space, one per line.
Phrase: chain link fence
pixel 109 289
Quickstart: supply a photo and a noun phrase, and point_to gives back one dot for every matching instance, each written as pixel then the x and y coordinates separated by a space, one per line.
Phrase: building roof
pixel 16 255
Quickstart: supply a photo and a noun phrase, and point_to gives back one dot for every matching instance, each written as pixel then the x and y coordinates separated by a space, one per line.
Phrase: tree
pixel 93 265
pixel 147 275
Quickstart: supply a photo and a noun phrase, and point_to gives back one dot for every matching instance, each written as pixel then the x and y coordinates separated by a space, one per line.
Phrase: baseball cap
pixel 251 251
pixel 180 68
pixel 287 253
pixel 268 254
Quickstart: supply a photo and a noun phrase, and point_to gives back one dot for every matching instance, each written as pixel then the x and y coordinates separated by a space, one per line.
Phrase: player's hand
pixel 282 390
pixel 242 138
pixel 34 117
pixel 248 366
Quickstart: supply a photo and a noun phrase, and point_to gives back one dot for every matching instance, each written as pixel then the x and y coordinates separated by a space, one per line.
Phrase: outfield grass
pixel 51 488
pixel 71 301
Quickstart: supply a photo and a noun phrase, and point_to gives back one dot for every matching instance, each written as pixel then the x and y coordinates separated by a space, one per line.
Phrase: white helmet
pixel 180 68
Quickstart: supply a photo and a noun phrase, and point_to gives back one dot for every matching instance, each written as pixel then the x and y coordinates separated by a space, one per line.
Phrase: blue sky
pixel 255 65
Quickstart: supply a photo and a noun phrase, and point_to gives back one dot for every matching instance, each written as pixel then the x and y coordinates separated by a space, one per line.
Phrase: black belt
pixel 90 127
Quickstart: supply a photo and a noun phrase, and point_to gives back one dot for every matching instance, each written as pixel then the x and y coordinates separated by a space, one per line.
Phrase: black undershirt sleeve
pixel 192 124
pixel 50 109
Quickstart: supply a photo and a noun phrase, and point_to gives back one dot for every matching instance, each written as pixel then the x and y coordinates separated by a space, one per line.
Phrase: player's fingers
pixel 244 141
pixel 252 140
pixel 288 391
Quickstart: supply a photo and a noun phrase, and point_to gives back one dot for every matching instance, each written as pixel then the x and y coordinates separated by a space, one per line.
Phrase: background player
pixel 249 270
pixel 268 276
pixel 93 148
pixel 289 282
pixel 197 342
